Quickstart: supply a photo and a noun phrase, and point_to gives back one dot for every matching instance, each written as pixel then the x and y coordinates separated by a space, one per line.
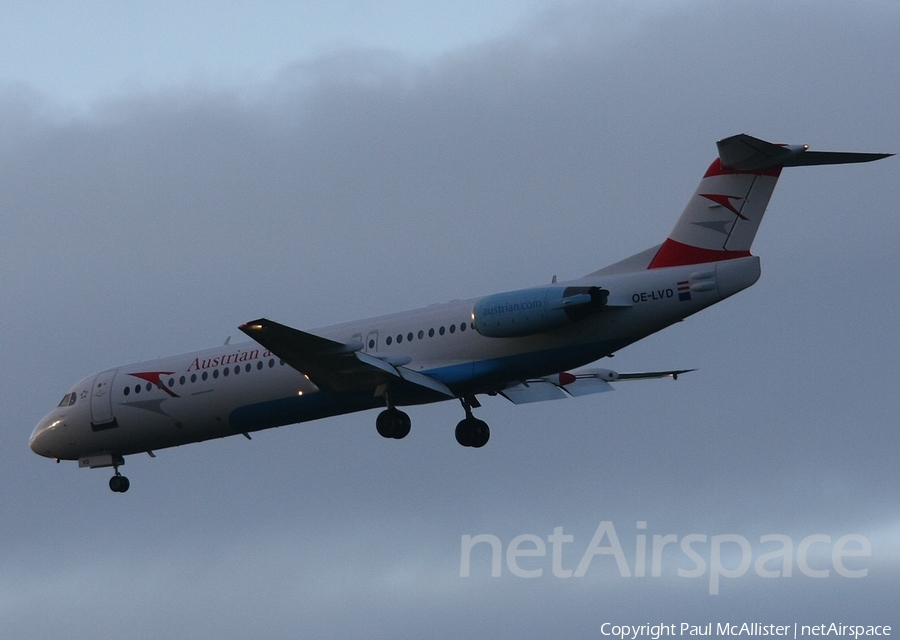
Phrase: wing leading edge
pixel 336 366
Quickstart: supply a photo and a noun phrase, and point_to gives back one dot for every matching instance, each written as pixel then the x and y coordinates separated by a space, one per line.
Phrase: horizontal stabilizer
pixel 746 153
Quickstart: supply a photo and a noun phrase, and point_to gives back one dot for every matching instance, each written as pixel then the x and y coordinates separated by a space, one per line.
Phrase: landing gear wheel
pixel 119 483
pixel 472 432
pixel 384 424
pixel 482 433
pixel 403 425
pixel 393 423
pixel 464 432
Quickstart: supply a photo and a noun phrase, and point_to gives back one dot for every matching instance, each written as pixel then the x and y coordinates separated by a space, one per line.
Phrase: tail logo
pixel 724 201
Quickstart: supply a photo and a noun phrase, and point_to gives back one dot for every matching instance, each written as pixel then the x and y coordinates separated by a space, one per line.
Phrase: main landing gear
pixel 118 482
pixel 393 423
pixel 472 432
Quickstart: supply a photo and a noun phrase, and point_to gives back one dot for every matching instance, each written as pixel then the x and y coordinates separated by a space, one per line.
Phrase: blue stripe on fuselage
pixel 480 376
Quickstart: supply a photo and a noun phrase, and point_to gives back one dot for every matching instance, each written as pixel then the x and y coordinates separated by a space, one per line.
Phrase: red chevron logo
pixel 153 377
pixel 724 201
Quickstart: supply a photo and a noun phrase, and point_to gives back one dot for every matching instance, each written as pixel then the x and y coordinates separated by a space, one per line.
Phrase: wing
pixel 337 366
pixel 579 383
pixel 648 375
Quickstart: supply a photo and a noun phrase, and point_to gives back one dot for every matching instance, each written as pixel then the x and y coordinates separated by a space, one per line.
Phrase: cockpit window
pixel 68 400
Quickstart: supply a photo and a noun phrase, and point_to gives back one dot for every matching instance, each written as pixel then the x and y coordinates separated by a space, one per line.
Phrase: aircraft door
pixel 101 398
pixel 372 342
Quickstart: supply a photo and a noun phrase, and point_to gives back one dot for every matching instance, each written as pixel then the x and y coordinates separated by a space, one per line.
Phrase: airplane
pixel 527 345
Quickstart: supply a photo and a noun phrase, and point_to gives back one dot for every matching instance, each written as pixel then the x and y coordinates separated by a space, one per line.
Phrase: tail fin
pixel 722 217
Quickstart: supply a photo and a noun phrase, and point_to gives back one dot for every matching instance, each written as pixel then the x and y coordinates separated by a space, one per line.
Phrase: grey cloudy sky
pixel 166 174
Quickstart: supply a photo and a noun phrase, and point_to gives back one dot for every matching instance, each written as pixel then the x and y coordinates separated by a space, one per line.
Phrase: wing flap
pixel 587 386
pixel 422 380
pixel 533 391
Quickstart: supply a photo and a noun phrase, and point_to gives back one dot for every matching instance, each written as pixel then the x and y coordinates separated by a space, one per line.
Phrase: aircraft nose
pixel 45 436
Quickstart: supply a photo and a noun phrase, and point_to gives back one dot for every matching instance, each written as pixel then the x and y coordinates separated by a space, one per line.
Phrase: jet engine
pixel 528 311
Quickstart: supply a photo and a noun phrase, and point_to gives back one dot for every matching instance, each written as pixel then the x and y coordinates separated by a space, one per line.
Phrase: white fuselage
pixel 243 387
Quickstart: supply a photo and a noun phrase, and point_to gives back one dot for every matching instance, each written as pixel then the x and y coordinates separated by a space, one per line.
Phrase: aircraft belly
pixel 293 409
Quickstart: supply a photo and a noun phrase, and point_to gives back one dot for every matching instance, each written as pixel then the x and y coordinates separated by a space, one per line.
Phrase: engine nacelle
pixel 528 311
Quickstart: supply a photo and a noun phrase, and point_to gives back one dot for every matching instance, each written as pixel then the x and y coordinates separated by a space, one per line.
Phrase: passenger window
pixel 452 328
pixel 389 340
pixel 259 365
pixel 181 380
pixel 149 386
pixel 247 368
pixel 137 388
pixel 126 391
pixel 225 371
pixel 409 336
pixel 441 331
pixel 205 375
pixel 215 373
pixel 431 332
pixel 399 338
pixel 462 326
pixel 421 334
pixel 171 382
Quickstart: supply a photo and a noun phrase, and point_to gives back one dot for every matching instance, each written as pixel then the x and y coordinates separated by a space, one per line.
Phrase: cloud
pixel 363 182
